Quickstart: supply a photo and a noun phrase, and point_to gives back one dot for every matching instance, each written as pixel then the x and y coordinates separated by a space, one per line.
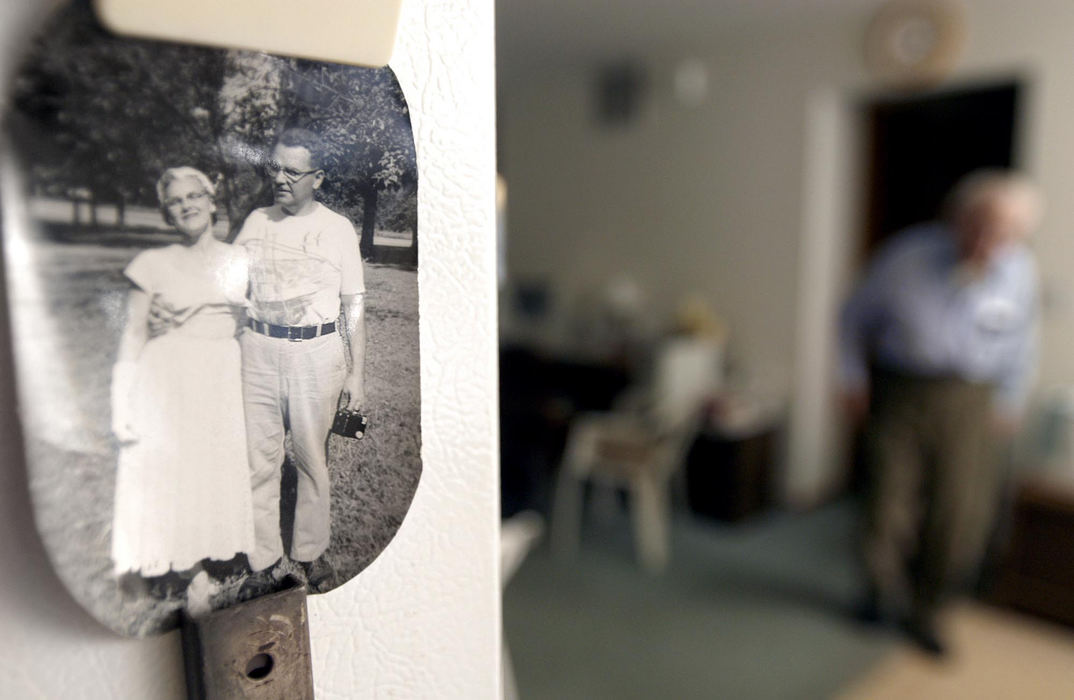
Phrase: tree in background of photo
pixel 367 131
pixel 119 111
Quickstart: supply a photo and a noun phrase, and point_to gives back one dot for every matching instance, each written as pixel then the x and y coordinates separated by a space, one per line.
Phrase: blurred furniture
pixel 638 446
pixel 539 395
pixel 729 474
pixel 1037 572
pixel 518 535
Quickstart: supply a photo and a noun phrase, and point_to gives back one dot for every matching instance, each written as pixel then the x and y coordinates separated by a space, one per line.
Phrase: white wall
pixel 722 198
pixel 423 620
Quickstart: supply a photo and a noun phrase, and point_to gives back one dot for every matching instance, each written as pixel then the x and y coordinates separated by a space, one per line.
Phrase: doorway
pixel 918 147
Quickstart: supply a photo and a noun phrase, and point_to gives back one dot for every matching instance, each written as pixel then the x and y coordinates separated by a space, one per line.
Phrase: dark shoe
pixel 263 582
pixel 132 586
pixel 320 574
pixel 868 612
pixel 925 636
pixel 167 586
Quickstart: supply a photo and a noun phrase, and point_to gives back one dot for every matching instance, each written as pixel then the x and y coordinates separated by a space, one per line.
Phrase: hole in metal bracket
pixel 259 667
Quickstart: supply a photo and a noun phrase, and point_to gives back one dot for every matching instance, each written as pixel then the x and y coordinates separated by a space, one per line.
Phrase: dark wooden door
pixel 920 146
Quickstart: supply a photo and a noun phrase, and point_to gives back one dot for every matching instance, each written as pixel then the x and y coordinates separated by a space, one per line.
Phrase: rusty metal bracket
pixel 259 649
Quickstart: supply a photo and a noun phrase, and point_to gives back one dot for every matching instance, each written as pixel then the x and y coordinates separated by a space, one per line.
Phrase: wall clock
pixel 915 41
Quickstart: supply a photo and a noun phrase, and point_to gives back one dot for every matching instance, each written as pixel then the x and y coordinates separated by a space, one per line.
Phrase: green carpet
pixel 750 611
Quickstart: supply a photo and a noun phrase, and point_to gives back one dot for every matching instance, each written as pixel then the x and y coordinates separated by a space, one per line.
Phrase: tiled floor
pixel 995 654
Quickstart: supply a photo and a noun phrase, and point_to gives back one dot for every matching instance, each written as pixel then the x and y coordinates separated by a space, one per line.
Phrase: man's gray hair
pixel 310 140
pixel 981 185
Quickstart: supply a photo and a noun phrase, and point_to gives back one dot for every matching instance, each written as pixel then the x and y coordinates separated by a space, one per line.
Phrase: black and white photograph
pixel 214 304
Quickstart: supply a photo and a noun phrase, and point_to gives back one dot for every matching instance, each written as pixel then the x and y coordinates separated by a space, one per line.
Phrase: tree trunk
pixel 239 206
pixel 93 210
pixel 121 212
pixel 234 216
pixel 369 219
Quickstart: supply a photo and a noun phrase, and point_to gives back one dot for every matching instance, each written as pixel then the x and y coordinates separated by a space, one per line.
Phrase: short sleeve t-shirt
pixel 300 266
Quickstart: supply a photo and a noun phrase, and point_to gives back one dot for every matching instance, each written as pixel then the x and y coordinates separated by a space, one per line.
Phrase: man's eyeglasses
pixel 188 199
pixel 272 169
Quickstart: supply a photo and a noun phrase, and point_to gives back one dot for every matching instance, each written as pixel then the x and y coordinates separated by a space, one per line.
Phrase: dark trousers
pixel 933 493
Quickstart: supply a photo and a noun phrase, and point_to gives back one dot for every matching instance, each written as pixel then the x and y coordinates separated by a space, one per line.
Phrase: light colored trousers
pixel 290 385
pixel 933 495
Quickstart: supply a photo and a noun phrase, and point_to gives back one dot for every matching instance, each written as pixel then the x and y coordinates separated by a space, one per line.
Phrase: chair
pixel 638 446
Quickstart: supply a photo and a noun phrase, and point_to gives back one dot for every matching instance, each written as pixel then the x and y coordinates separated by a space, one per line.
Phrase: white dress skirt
pixel 183 488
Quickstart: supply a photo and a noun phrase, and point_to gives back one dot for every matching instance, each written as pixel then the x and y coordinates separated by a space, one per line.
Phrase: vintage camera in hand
pixel 349 424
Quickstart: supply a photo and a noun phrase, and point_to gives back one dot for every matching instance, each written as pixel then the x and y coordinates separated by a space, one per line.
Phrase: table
pixel 1036 573
pixel 729 476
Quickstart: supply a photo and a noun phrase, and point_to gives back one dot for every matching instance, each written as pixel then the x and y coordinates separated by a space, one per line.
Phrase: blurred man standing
pixel 937 351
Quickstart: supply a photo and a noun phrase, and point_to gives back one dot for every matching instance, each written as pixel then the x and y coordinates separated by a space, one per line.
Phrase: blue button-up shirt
pixel 918 310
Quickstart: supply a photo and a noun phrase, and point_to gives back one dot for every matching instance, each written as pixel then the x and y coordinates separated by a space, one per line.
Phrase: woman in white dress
pixel 183 485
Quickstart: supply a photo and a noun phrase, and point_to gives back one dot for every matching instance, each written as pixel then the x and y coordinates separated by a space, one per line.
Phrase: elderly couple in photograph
pixel 226 348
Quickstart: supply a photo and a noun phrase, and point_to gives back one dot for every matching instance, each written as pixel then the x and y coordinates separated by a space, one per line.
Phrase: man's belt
pixel 291 332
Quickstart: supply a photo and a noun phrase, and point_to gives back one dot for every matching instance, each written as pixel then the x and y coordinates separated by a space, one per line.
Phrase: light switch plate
pixel 359 32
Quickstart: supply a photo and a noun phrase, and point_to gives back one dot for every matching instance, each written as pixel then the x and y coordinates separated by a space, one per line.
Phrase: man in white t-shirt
pixel 305 268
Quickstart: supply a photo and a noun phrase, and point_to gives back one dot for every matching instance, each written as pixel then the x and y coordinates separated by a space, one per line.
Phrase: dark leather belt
pixel 291 332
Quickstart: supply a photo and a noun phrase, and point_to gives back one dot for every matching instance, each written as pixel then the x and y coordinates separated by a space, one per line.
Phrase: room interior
pixel 722 169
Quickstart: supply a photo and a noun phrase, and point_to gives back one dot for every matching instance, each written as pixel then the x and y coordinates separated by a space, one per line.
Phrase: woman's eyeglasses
pixel 187 199
pixel 272 169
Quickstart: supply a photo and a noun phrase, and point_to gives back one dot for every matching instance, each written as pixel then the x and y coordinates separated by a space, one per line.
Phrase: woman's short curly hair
pixel 178 173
